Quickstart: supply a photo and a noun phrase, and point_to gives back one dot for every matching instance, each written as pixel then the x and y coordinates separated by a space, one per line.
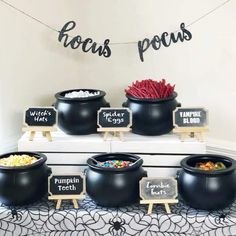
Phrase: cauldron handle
pixel 145 174
pixel 54 105
pixel 85 171
pixel 97 162
pixel 124 104
pixel 177 174
pixel 137 161
pixel 49 171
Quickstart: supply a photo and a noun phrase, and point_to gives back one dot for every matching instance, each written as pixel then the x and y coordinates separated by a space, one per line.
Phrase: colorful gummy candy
pixel 114 164
pixel 210 165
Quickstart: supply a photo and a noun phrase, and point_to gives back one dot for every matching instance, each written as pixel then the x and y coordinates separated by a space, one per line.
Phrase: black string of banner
pixel 114 43
pixel 29 16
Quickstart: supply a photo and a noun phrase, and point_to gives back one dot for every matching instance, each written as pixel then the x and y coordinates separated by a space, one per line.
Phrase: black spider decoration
pixel 117 228
pixel 221 219
pixel 15 215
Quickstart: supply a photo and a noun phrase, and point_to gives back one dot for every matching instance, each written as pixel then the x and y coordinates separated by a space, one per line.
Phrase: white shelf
pixel 67 153
pixel 64 143
pixel 164 144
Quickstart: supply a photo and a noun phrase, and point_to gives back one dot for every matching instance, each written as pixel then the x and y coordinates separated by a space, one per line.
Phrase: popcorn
pixel 18 160
pixel 81 94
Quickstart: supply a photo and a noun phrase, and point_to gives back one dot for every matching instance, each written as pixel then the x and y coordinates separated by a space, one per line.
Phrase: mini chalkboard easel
pixel 66 187
pixel 73 198
pixel 115 121
pixel 191 132
pixel 46 131
pixel 40 119
pixel 117 132
pixel 158 191
pixel 190 122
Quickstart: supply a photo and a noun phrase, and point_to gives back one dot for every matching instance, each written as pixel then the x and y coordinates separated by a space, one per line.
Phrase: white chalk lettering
pixel 66 181
pixel 161 192
pixel 161 185
pixel 190 114
pixel 66 188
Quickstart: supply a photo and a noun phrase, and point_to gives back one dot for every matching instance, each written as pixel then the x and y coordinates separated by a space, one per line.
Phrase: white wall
pixel 34 65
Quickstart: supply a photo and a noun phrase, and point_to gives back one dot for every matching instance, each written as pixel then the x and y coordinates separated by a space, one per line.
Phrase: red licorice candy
pixel 150 89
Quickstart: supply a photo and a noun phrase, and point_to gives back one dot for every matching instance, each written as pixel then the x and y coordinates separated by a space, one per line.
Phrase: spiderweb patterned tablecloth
pixel 42 219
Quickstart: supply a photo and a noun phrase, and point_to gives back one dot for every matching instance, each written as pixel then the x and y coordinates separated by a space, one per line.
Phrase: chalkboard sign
pixel 66 184
pixel 158 188
pixel 114 118
pixel 40 116
pixel 190 117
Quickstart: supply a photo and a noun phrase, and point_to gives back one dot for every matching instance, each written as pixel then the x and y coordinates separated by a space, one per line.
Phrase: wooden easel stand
pixel 191 132
pixel 73 198
pixel 117 132
pixel 46 131
pixel 166 202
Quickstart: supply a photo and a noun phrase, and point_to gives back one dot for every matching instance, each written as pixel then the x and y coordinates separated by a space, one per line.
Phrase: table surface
pixel 41 218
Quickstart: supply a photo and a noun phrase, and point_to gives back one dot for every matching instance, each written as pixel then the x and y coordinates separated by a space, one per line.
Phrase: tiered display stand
pixel 161 155
pixel 67 154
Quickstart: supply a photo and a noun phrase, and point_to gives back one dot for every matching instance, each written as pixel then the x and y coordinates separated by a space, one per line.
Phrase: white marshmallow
pixel 81 94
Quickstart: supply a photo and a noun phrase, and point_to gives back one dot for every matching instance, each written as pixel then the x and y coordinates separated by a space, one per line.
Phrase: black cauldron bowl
pixel 152 116
pixel 207 190
pixel 113 187
pixel 78 116
pixel 24 184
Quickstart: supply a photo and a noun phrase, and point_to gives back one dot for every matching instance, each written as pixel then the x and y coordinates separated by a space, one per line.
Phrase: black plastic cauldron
pixel 24 184
pixel 152 116
pixel 113 187
pixel 207 190
pixel 78 116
